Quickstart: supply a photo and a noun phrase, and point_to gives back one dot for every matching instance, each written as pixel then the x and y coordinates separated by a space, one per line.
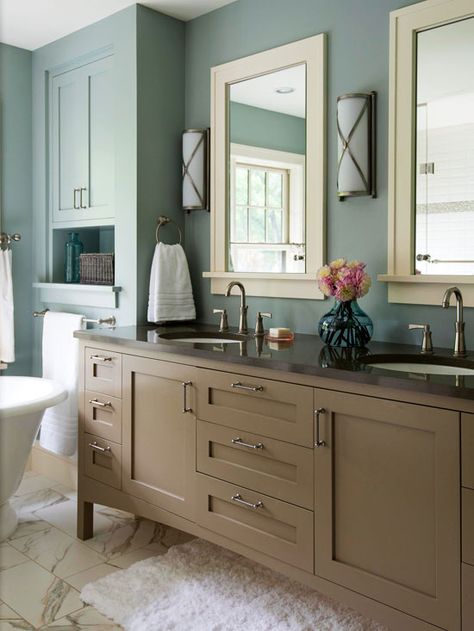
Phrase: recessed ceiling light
pixel 285 90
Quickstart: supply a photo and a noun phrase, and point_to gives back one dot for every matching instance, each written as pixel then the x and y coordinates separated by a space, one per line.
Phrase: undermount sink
pixel 203 337
pixel 422 365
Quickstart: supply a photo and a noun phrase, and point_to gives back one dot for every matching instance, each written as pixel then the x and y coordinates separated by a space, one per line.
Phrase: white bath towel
pixel 171 293
pixel 61 363
pixel 7 336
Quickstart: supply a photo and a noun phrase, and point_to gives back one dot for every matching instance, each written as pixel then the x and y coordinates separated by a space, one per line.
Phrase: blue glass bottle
pixel 73 250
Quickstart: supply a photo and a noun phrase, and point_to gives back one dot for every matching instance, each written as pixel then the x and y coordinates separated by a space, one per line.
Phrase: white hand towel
pixel 61 363
pixel 7 336
pixel 171 293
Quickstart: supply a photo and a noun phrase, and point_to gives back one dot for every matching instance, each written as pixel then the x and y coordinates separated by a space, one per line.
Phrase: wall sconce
pixel 195 169
pixel 356 145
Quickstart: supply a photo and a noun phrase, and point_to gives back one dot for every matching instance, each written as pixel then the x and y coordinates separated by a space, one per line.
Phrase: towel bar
pixel 110 321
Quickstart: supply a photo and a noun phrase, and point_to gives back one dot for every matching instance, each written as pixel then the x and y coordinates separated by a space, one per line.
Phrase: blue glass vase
pixel 346 326
pixel 73 250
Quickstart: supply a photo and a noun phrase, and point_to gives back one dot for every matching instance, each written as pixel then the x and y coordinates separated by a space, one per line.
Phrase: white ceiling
pixel 33 23
pixel 260 91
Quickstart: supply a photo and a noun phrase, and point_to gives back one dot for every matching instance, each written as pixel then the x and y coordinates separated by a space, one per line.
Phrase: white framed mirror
pixel 268 148
pixel 431 163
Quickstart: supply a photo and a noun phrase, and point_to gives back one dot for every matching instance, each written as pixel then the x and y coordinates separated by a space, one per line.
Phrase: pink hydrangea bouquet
pixel 345 280
pixel 346 325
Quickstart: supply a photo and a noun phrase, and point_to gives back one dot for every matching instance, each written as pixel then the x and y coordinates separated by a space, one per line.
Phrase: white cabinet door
pixel 82 143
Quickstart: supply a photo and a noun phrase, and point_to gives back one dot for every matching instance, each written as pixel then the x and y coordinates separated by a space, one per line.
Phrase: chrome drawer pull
pixel 317 414
pixel 241 386
pixel 107 451
pixel 185 385
pixel 101 358
pixel 238 498
pixel 99 404
pixel 239 441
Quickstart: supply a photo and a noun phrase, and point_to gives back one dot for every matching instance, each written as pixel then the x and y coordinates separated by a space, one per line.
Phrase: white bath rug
pixel 198 586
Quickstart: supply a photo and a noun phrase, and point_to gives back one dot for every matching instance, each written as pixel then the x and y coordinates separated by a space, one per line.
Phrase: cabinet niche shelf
pixel 80 295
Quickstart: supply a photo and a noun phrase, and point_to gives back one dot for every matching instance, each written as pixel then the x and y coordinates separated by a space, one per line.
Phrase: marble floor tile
pixel 36 595
pixel 6 613
pixel 86 618
pixel 71 494
pixel 88 576
pixel 16 624
pixel 29 474
pixel 123 537
pixel 27 525
pixel 64 517
pixel 33 483
pixel 9 557
pixel 31 502
pixel 126 560
pixel 57 552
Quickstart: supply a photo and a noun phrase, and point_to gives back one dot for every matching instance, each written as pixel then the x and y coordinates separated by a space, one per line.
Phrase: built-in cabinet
pixel 387 496
pixel 339 489
pixel 159 433
pixel 82 143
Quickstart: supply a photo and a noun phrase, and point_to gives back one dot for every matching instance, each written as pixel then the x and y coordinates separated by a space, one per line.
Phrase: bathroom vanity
pixel 346 477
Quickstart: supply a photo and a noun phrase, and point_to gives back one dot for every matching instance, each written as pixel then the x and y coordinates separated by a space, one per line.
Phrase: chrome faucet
pixel 459 341
pixel 243 328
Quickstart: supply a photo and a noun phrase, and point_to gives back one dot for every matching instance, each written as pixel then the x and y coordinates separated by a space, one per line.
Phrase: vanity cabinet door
pixel 387 507
pixel 82 148
pixel 159 442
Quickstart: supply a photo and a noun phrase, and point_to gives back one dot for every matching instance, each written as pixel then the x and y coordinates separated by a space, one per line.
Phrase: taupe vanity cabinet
pixel 353 492
pixel 159 433
pixel 387 483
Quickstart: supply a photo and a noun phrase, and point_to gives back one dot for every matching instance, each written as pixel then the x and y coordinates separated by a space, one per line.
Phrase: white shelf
pixel 79 295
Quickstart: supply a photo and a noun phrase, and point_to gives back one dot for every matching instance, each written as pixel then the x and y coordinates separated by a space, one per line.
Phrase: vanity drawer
pixel 281 530
pixel 272 408
pixel 467 597
pixel 467 442
pixel 103 371
pixel 103 416
pixel 467 499
pixel 104 466
pixel 265 465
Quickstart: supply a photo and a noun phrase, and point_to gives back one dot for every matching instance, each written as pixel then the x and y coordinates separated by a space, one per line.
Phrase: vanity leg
pixel 85 520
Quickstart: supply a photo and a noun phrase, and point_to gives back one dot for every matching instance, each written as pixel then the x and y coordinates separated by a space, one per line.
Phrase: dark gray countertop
pixel 305 355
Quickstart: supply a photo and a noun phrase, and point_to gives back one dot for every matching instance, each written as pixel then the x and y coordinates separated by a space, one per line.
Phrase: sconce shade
pixel 356 144
pixel 195 169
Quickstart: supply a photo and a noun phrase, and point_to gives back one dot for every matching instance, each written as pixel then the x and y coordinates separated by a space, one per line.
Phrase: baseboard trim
pixel 58 468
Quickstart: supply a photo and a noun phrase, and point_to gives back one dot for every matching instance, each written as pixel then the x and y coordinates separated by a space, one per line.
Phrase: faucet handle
pixel 259 329
pixel 427 343
pixel 224 323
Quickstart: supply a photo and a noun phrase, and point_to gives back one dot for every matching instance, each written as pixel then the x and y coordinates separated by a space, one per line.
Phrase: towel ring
pixel 162 221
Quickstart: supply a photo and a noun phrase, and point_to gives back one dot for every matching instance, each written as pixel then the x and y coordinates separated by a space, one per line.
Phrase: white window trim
pixel 403 285
pixel 294 163
pixel 312 52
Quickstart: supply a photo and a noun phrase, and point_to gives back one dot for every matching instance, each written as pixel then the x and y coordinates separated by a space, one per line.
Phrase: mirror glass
pixel 445 150
pixel 266 149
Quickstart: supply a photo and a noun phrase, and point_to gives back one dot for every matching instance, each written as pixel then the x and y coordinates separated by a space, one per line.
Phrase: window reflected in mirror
pixel 266 149
pixel 445 150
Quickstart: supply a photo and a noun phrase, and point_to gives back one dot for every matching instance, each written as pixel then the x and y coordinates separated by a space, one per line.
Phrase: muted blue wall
pixel 358 60
pixel 15 186
pixel 263 128
pixel 160 121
